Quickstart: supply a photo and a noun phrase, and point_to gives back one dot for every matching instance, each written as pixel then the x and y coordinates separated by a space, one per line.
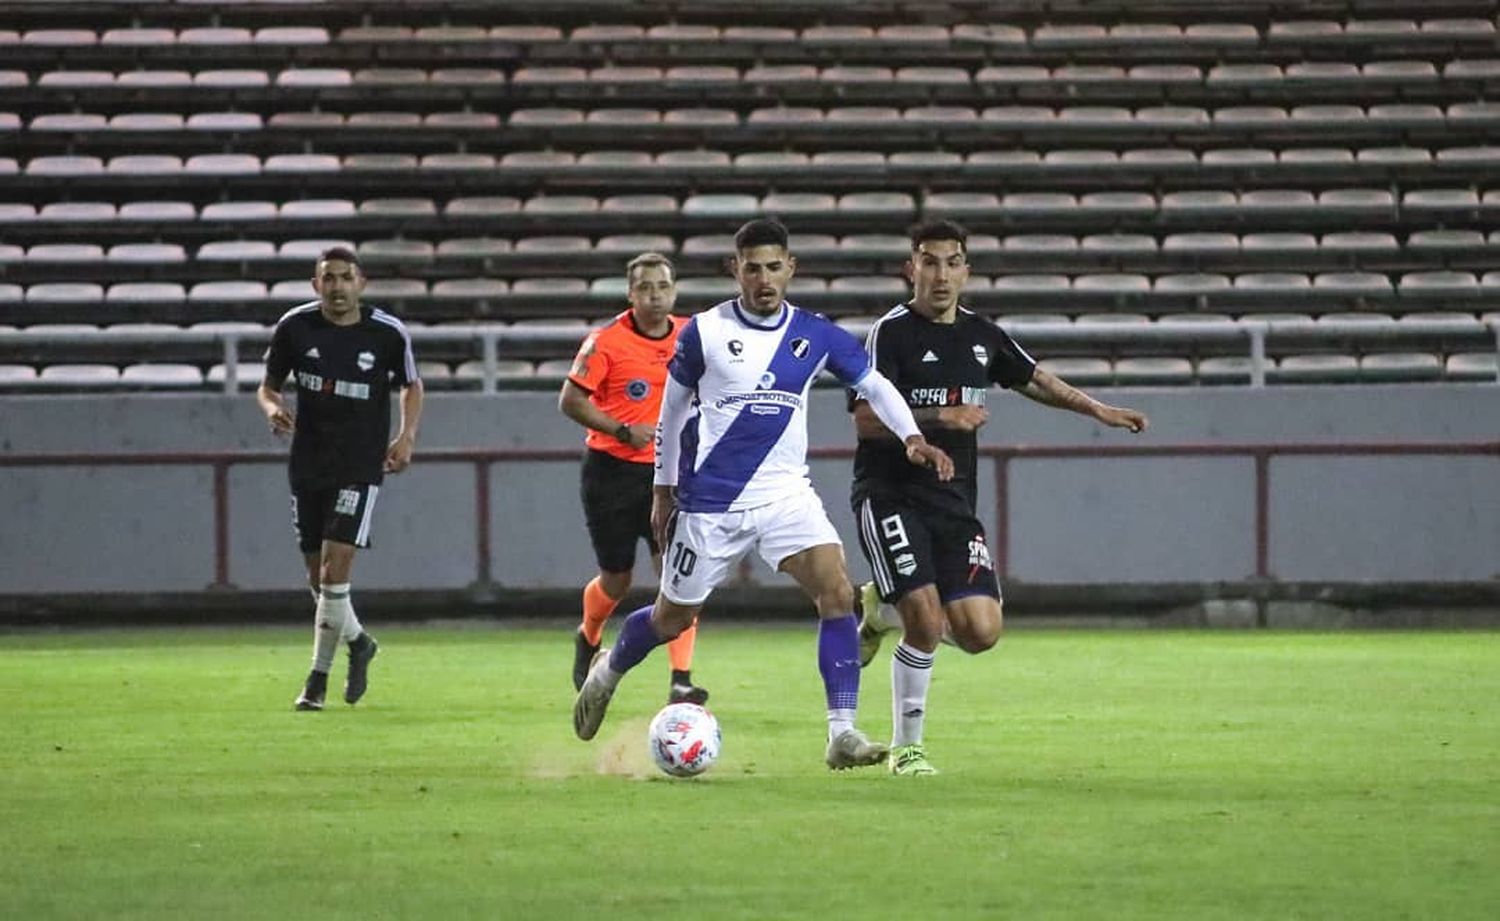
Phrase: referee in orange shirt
pixel 614 391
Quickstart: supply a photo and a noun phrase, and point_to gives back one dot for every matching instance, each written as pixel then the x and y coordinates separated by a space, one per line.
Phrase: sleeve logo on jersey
pixel 637 389
pixel 365 360
pixel 800 348
pixel 981 354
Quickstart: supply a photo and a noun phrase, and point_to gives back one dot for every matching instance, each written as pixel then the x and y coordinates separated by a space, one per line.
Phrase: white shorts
pixel 705 545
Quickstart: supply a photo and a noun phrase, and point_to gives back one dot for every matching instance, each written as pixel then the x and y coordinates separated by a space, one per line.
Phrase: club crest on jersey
pixel 800 348
pixel 981 354
pixel 637 389
pixel 365 360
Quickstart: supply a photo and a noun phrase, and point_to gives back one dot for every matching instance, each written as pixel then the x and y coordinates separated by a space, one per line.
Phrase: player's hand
pixel 663 504
pixel 919 452
pixel 641 435
pixel 1116 417
pixel 964 417
pixel 281 420
pixel 398 455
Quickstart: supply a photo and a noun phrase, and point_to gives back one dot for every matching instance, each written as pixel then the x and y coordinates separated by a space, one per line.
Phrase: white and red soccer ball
pixel 684 740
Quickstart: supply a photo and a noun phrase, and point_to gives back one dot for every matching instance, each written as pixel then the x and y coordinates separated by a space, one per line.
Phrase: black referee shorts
pixel 617 506
pixel 911 545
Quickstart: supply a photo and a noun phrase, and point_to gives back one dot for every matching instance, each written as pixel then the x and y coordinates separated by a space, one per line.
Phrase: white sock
pixel 352 627
pixel 911 675
pixel 839 722
pixel 328 624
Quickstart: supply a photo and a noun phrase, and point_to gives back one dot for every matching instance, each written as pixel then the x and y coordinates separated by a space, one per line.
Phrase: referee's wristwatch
pixel 622 433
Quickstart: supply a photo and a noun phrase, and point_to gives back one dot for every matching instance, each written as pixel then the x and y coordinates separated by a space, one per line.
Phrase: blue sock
pixel 637 639
pixel 838 661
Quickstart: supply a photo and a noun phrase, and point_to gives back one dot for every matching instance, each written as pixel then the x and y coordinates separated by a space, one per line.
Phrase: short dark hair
pixel 341 253
pixel 764 231
pixel 939 229
pixel 649 260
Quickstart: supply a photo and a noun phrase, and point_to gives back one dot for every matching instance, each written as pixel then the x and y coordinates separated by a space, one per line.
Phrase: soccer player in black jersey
pixel 345 360
pixel 925 544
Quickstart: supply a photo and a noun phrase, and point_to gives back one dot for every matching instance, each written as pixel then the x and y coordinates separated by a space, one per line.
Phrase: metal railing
pixel 1254 335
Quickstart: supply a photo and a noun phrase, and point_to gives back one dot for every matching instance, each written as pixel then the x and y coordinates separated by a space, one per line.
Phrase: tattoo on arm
pixel 1050 390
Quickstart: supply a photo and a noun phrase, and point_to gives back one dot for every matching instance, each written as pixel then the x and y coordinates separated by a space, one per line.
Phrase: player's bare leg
pixel 821 573
pixel 974 622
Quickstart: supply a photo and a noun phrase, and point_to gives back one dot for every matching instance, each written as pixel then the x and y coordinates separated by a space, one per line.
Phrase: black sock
pixel 682 677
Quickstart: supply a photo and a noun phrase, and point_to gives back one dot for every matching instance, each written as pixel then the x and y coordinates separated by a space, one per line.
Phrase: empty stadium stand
pixel 1173 180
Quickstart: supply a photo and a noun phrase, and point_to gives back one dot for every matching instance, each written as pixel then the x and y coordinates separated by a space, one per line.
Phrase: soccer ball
pixel 684 740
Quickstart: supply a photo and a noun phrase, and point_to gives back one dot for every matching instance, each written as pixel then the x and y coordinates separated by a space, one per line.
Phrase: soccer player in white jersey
pixel 731 476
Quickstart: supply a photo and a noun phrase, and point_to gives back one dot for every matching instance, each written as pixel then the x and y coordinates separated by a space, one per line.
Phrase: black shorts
pixel 338 513
pixel 910 545
pixel 617 506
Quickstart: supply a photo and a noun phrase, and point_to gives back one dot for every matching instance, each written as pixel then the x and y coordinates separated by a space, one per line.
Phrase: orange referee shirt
pixel 624 372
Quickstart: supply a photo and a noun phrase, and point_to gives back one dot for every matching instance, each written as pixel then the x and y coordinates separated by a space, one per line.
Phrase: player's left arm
pixel 1050 390
pixel 398 454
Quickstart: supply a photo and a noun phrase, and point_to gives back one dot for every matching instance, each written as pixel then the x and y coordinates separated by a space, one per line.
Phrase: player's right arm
pixel 268 395
pixel 683 373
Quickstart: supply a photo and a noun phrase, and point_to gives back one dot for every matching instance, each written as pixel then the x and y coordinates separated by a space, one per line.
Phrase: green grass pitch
pixel 162 774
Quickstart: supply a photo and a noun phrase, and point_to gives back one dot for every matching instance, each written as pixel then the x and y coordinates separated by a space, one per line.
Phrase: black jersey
pixel 344 377
pixel 935 364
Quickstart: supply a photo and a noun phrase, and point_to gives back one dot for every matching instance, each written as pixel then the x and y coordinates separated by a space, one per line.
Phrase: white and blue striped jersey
pixel 747 444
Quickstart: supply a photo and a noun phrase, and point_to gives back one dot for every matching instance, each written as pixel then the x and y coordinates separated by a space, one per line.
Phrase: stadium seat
pixel 222 164
pixel 316 209
pixel 236 251
pixel 1153 371
pixel 65 293
pixel 1471 366
pixel 147 253
pixel 80 375
pixel 90 212
pixel 227 291
pixel 65 253
pixel 1316 369
pixel 153 374
pixel 153 292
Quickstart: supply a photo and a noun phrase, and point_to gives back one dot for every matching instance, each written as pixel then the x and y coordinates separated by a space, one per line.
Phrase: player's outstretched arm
pixel 676 404
pixel 398 455
pixel 1050 390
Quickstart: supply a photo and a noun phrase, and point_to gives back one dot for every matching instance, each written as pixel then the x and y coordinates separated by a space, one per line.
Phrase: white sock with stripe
pixel 911 675
pixel 334 611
